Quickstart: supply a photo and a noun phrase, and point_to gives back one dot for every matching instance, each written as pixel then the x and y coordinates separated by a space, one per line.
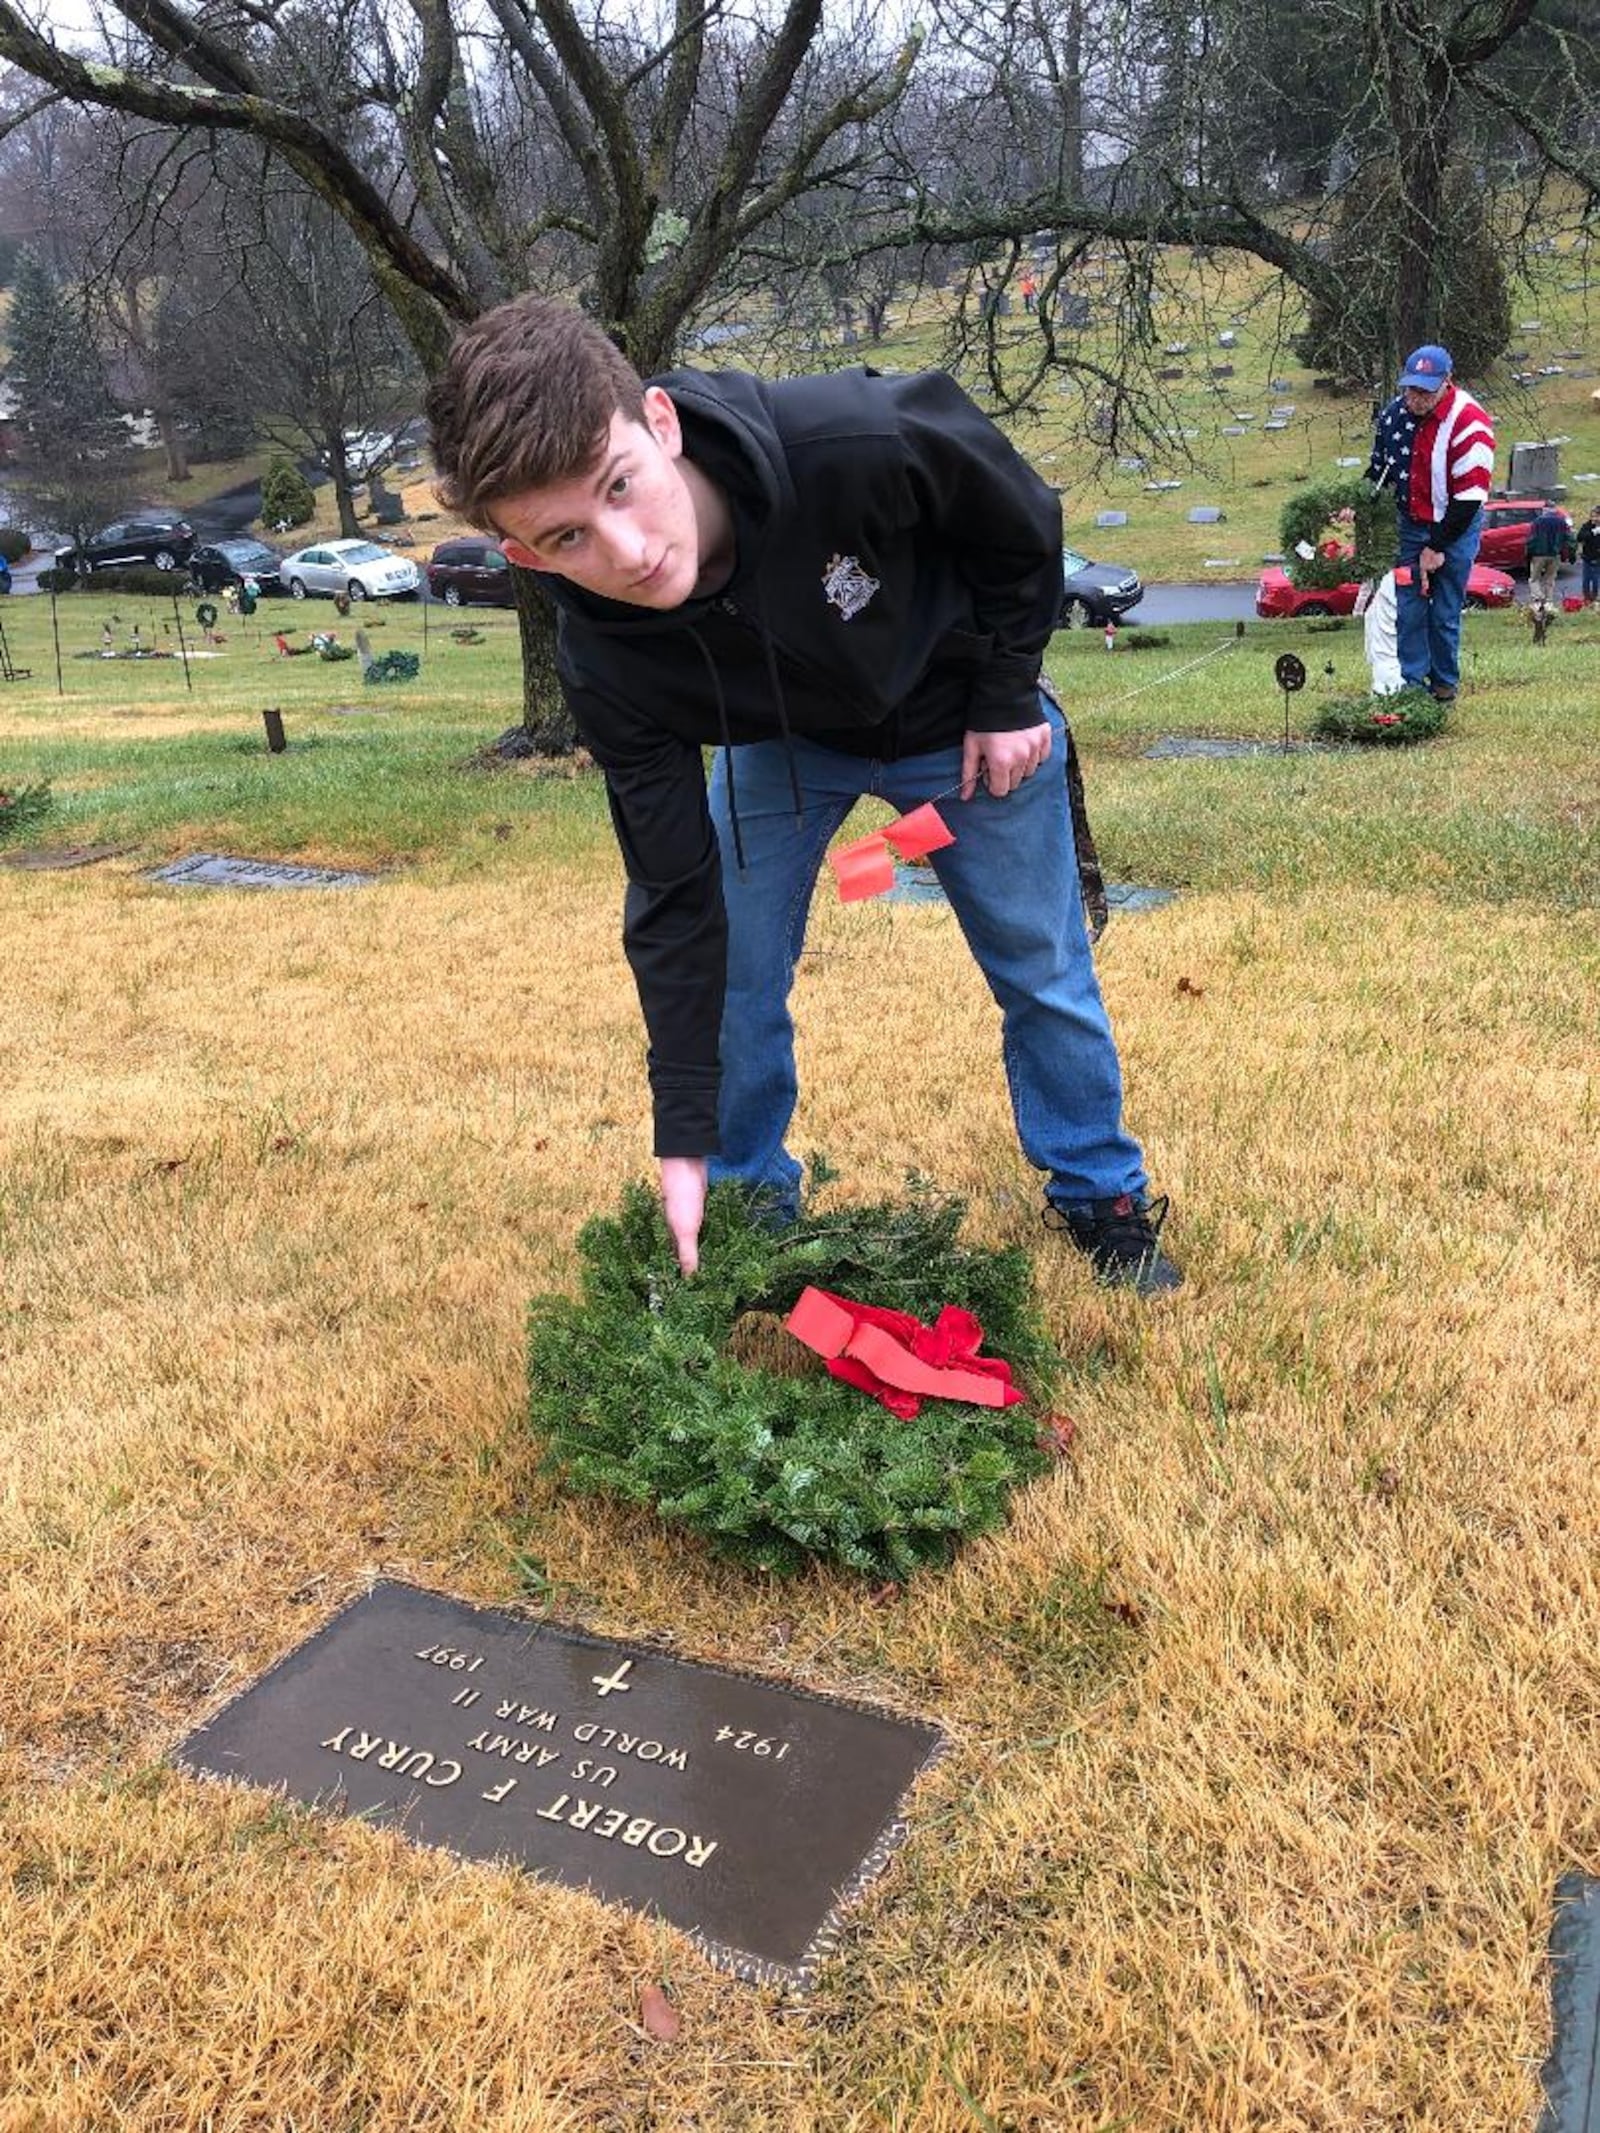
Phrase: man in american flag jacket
pixel 1434 448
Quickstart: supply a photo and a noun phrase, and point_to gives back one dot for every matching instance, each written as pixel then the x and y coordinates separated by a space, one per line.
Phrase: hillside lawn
pixel 1272 1709
pixel 1250 476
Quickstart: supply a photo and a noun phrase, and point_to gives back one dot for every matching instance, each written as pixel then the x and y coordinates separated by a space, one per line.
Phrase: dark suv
pixel 148 538
pixel 470 572
pixel 223 563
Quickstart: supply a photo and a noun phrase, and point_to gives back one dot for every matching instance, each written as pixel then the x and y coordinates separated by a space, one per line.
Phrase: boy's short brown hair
pixel 525 398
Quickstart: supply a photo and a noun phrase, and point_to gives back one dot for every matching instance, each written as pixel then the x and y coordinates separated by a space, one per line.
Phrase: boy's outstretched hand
pixel 1004 759
pixel 683 1196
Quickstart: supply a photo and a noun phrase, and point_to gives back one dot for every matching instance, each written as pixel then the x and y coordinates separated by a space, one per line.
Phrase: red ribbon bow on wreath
pixel 899 1360
pixel 865 868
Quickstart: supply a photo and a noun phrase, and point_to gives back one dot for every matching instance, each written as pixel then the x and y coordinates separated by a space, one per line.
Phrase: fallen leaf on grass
pixel 1188 985
pixel 657 2015
pixel 1056 1433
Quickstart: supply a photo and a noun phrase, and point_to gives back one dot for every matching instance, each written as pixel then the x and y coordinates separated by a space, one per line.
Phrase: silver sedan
pixel 360 568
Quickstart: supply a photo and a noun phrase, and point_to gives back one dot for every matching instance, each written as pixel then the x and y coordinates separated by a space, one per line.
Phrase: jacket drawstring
pixel 781 703
pixel 727 741
pixel 778 698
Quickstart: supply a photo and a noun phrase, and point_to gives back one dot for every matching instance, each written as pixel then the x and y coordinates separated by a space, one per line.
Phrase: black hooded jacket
pixel 898 576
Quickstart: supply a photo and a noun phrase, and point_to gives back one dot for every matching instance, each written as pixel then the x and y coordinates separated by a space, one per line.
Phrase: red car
pixel 1276 597
pixel 1507 523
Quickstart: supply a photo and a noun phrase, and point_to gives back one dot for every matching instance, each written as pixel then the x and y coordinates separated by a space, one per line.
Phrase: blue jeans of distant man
pixel 1012 879
pixel 1591 579
pixel 1428 630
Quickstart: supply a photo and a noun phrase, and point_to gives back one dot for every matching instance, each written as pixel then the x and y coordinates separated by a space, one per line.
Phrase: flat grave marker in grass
pixel 1198 744
pixel 744 1811
pixel 1572 2071
pixel 216 870
pixel 1136 896
pixel 59 858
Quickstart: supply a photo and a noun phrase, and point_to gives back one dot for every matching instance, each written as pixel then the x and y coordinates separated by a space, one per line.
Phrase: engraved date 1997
pixel 459 1662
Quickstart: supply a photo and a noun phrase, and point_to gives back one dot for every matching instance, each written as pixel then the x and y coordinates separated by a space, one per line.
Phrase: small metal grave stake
pixel 55 631
pixel 272 719
pixel 183 644
pixel 1290 671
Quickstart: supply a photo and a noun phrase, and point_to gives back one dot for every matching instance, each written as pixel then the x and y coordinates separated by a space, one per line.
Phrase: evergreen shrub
pixel 14 543
pixel 646 1387
pixel 287 498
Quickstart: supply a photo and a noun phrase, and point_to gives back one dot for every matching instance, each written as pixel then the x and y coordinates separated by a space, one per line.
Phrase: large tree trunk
pixel 546 721
pixel 172 441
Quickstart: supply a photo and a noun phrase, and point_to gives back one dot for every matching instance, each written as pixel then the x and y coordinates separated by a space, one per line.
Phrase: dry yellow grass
pixel 1274 1711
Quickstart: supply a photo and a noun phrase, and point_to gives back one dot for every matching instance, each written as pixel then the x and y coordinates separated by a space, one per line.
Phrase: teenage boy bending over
pixel 845 583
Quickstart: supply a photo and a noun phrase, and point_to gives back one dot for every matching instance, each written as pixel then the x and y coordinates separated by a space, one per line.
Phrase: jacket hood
pixel 730 435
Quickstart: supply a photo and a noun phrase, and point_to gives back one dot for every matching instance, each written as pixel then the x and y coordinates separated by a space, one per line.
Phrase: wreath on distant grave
pixel 1395 721
pixel 393 666
pixel 690 1397
pixel 1338 533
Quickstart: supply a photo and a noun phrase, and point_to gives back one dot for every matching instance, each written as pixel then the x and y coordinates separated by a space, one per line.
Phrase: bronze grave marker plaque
pixel 744 1811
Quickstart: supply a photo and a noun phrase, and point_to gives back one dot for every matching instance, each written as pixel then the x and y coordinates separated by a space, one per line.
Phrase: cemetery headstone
pixel 744 1811
pixel 1206 515
pixel 1275 422
pixel 1227 340
pixel 1571 2074
pixel 1222 370
pixel 1535 467
pixel 1233 429
pixel 1132 896
pixel 1277 385
pixel 1171 373
pixel 1529 325
pixel 216 870
pixel 1111 518
pixel 60 858
pixel 1203 746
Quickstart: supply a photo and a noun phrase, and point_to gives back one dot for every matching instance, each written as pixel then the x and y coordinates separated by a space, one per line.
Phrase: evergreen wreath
pixel 639 1390
pixel 1372 531
pixel 1383 721
pixel 393 666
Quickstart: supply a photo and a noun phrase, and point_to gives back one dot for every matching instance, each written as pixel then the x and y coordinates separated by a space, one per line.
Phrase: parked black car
pixel 1093 594
pixel 148 537
pixel 470 572
pixel 220 563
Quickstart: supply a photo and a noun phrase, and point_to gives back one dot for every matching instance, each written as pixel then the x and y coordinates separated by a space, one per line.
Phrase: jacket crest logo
pixel 847 585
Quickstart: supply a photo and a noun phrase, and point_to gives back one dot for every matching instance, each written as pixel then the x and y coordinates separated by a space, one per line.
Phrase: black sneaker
pixel 1121 1239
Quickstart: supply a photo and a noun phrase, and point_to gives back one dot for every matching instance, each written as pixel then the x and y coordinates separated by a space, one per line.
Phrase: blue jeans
pixel 1429 630
pixel 1012 879
pixel 1591 580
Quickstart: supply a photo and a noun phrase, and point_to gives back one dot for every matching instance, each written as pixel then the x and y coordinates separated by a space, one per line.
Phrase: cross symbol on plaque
pixel 605 1683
